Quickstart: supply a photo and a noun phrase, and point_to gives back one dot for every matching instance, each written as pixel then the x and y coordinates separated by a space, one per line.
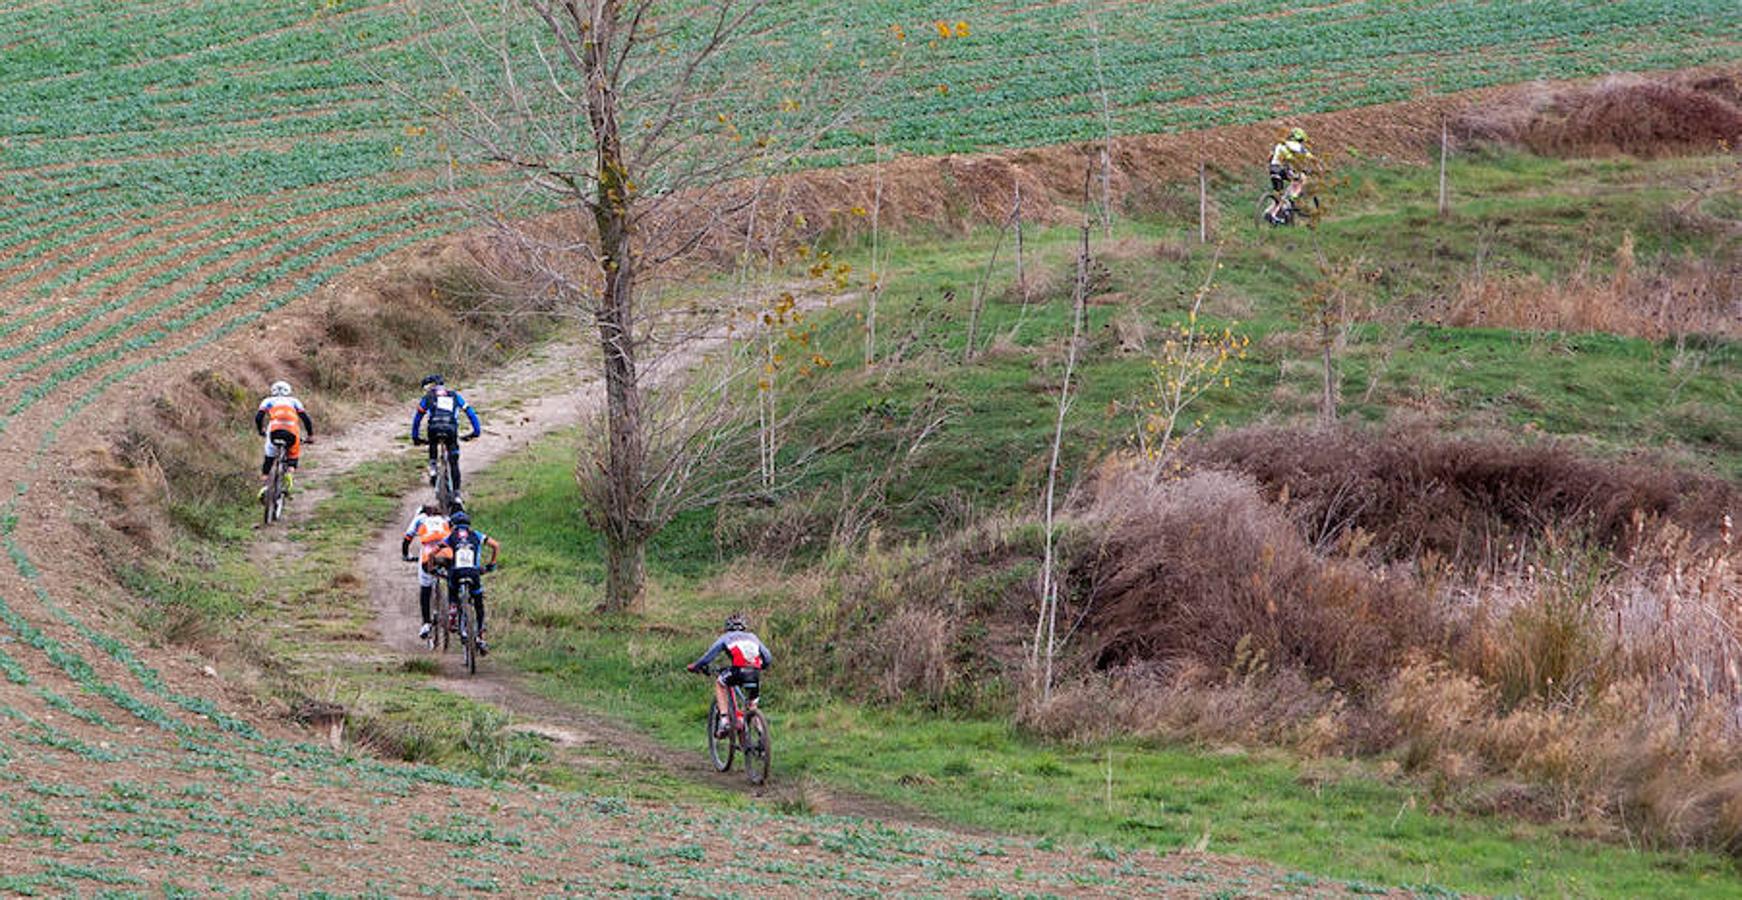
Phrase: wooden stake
pixel 1016 213
pixel 1203 204
pixel 1445 143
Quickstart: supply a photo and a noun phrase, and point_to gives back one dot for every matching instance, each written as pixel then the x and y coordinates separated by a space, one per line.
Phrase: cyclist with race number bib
pixel 443 407
pixel 282 420
pixel 429 528
pixel 749 658
pixel 462 552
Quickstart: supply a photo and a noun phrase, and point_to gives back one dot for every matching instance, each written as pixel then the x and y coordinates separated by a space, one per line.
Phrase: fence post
pixel 1445 143
pixel 1203 204
pixel 1016 213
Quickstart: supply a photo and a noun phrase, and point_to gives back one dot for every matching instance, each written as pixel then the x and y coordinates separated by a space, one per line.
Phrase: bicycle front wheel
pixel 438 610
pixel 757 752
pixel 719 748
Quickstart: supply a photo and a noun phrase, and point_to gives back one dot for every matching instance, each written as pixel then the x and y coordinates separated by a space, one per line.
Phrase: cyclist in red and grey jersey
pixel 748 657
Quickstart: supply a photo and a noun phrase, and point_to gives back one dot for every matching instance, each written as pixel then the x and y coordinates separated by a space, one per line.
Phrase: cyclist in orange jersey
pixel 429 528
pixel 282 420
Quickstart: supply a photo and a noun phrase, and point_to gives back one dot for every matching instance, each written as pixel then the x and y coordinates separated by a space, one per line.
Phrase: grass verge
pixel 1335 819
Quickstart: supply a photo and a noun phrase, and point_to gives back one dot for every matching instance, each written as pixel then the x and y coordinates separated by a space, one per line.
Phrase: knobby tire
pixel 718 744
pixel 444 481
pixel 1267 205
pixel 275 490
pixel 469 630
pixel 757 751
pixel 438 606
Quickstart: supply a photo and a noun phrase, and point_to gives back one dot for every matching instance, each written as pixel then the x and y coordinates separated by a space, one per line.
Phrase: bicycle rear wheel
pixel 444 483
pixel 438 611
pixel 757 752
pixel 273 501
pixel 1268 207
pixel 468 630
pixel 719 749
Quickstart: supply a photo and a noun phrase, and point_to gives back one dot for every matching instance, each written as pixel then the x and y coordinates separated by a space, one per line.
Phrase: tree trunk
pixel 625 518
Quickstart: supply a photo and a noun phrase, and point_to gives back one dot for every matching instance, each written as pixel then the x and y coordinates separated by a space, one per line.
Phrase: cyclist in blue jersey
pixel 443 406
pixel 462 554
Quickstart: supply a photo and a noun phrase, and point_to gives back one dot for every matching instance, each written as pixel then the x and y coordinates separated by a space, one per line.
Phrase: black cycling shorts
pixel 1280 176
pixel 748 679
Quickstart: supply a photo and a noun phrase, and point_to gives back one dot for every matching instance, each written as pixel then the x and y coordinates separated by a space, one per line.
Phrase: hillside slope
pixel 182 179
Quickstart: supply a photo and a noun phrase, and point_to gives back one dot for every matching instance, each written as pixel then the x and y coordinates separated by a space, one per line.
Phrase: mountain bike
pixel 466 618
pixel 748 734
pixel 1278 208
pixel 272 502
pixel 445 619
pixel 442 478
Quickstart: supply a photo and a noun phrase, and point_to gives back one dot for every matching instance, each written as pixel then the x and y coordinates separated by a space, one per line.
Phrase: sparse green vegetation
pixel 1127 793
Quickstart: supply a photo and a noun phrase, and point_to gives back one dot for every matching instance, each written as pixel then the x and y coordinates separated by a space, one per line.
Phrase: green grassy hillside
pixel 957 753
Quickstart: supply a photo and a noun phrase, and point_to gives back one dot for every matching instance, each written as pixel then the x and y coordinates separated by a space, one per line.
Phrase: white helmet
pixel 281 389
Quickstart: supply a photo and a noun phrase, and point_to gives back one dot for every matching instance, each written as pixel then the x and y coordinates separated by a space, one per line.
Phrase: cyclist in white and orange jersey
pixel 429 528
pixel 282 420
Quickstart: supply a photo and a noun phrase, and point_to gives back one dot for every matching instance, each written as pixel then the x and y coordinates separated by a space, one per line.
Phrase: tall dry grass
pixel 1678 299
pixel 1587 667
pixel 1594 669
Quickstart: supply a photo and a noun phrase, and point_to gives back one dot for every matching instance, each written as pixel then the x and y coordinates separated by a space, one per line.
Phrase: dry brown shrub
pixel 1432 705
pixel 1042 283
pixel 1130 332
pixel 1623 114
pixel 1654 744
pixel 1559 679
pixel 939 623
pixel 919 641
pixel 1204 569
pixel 1465 499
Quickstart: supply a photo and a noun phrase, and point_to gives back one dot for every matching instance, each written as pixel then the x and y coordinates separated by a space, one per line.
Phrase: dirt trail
pixel 518 404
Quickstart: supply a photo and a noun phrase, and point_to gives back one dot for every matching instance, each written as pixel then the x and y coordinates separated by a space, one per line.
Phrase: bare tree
pixel 1045 647
pixel 648 142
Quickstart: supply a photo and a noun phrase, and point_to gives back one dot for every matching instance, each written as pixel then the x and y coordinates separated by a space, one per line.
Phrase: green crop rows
pixel 173 172
pixel 181 132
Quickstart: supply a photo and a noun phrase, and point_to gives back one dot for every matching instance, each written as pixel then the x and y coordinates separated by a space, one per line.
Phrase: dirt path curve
pixel 519 403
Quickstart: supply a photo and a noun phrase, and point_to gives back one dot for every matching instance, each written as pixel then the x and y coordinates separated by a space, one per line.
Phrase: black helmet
pixel 460 520
pixel 735 622
pixel 431 509
pixel 434 378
